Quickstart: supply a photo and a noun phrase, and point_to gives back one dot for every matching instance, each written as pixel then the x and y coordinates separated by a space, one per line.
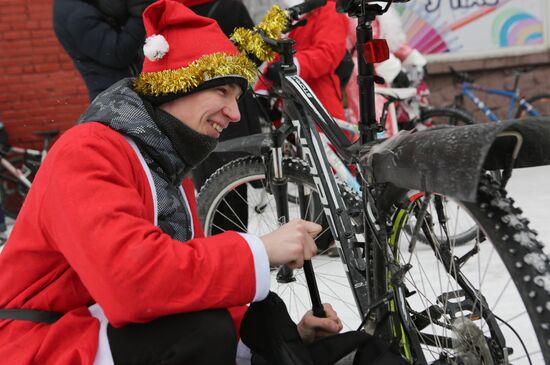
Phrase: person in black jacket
pixel 102 37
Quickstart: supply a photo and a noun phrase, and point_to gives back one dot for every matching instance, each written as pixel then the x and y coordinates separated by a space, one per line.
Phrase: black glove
pixel 273 73
pixel 136 7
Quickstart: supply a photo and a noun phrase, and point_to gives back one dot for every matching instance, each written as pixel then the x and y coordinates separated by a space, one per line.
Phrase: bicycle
pixel 518 107
pixel 18 166
pixel 391 291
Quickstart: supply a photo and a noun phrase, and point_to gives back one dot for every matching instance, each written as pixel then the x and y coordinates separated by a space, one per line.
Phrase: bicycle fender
pixel 255 144
pixel 449 160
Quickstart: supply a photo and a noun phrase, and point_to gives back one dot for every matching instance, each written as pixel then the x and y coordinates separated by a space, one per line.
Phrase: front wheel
pixel 540 104
pixel 239 197
pixel 487 302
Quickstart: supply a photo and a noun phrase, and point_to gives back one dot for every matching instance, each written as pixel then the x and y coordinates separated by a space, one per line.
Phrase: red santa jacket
pixel 85 234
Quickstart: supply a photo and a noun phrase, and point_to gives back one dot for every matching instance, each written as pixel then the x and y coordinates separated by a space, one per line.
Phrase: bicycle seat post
pixel 365 77
pixel 516 82
pixel 366 13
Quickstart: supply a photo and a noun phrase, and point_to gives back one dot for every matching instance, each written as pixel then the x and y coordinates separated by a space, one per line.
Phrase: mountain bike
pixel 434 303
pixel 518 106
pixel 18 166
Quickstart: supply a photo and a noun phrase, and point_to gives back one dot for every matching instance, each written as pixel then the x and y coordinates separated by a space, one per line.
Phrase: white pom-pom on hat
pixel 155 47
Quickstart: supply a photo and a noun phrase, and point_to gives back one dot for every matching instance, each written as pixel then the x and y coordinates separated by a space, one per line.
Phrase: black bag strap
pixel 32 315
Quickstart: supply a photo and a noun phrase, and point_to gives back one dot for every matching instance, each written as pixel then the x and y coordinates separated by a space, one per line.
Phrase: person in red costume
pixel 107 262
pixel 320 47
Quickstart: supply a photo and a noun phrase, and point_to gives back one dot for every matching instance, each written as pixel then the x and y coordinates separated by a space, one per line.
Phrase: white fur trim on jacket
pixel 261 266
pixel 155 47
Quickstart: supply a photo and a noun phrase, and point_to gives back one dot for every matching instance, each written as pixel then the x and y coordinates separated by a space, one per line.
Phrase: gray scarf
pixel 169 148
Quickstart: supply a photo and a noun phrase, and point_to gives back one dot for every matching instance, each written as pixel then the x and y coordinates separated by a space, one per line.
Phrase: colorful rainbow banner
pixel 516 27
pixel 425 31
pixel 473 29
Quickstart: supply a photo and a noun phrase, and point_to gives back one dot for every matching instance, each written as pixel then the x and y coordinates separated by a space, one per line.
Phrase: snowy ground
pixel 531 190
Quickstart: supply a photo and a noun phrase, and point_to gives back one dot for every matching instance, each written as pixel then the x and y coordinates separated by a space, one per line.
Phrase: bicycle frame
pixel 514 96
pixel 303 112
pixel 301 97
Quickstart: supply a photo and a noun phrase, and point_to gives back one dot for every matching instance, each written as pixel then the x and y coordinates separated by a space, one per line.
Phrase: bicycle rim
pixel 444 300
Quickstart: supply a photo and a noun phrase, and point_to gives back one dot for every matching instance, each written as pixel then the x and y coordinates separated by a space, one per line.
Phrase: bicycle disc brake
pixel 469 342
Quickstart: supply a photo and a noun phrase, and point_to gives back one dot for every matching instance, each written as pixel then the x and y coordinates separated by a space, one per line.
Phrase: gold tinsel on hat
pixel 187 78
pixel 249 41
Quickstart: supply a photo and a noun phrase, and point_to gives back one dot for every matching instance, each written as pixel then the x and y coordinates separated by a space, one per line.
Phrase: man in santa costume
pixel 106 262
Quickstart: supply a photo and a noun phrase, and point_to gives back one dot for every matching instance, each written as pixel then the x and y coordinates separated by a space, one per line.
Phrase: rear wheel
pixel 431 117
pixel 479 303
pixel 541 103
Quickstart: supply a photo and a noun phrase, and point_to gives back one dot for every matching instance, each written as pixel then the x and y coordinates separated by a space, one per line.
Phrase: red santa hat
pixel 185 53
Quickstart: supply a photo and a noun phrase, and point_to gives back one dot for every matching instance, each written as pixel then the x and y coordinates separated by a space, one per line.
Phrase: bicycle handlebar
pixel 296 11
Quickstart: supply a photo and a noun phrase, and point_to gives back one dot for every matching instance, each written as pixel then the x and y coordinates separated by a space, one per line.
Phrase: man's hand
pixel 312 328
pixel 292 243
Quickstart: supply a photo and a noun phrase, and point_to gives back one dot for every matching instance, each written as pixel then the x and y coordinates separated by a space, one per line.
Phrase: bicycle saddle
pixel 401 93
